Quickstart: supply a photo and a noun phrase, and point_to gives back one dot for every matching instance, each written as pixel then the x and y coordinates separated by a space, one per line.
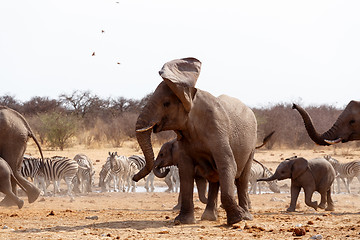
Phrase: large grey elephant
pixel 313 175
pixel 217 133
pixel 14 134
pixel 346 127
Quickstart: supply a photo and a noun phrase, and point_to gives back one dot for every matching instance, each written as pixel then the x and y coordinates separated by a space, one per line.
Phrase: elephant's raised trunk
pixel 313 134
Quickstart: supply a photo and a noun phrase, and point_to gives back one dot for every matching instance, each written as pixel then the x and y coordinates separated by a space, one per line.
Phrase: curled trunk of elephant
pixel 144 140
pixel 160 174
pixel 313 134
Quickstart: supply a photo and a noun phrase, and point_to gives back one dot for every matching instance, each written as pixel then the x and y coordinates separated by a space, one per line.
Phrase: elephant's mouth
pixel 159 170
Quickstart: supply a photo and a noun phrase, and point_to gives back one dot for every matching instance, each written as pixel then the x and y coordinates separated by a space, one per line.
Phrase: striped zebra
pixel 85 175
pixel 120 167
pixel 345 171
pixel 106 176
pixel 150 181
pixel 136 163
pixel 50 170
pixel 257 171
pixel 172 179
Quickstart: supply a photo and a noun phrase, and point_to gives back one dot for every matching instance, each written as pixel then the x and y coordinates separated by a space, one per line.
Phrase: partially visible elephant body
pixel 346 127
pixel 6 176
pixel 14 134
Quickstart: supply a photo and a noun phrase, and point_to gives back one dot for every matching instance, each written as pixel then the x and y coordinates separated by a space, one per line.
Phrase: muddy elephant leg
pixel 6 189
pixel 294 192
pixel 186 172
pixel 226 166
pixel 323 200
pixel 201 185
pixel 14 158
pixel 178 205
pixel 330 203
pixel 242 189
pixel 308 195
pixel 210 212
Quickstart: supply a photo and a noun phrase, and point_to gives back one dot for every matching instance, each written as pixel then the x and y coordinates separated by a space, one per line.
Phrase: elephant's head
pixel 290 168
pixel 346 127
pixel 167 157
pixel 168 107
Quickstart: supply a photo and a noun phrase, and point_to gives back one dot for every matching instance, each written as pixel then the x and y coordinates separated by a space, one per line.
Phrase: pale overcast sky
pixel 258 51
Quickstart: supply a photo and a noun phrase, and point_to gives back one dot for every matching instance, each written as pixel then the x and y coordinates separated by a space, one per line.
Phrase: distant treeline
pixel 85 118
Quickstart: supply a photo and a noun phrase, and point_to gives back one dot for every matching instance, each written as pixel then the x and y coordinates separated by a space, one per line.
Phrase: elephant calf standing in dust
pixel 6 176
pixel 313 175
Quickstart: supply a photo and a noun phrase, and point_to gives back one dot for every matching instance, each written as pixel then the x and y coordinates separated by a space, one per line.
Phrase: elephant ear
pixel 299 166
pixel 181 76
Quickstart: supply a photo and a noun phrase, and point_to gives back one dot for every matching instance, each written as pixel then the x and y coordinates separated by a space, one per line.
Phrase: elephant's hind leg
pixel 330 203
pixel 210 212
pixel 13 199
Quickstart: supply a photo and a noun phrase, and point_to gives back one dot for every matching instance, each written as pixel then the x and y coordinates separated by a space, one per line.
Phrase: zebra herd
pixel 78 174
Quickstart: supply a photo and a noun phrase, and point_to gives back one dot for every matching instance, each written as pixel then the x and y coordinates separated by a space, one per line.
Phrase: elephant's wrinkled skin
pixel 313 175
pixel 14 134
pixel 346 127
pixel 221 130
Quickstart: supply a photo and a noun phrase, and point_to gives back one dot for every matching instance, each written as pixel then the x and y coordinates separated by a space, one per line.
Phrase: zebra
pixel 344 171
pixel 150 180
pixel 85 175
pixel 258 170
pixel 120 167
pixel 172 179
pixel 136 164
pixel 106 176
pixel 50 170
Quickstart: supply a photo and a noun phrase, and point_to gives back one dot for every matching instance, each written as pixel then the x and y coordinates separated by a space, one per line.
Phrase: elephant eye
pixel 352 122
pixel 166 104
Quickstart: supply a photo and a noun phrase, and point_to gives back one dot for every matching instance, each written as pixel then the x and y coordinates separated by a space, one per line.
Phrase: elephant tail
pixel 265 140
pixel 37 144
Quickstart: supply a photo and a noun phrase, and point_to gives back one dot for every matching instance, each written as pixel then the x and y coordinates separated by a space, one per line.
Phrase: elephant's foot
pixel 209 215
pixel 322 205
pixel 291 209
pixel 177 207
pixel 20 203
pixel 313 205
pixel 7 202
pixel 33 194
pixel 237 215
pixel 330 208
pixel 185 219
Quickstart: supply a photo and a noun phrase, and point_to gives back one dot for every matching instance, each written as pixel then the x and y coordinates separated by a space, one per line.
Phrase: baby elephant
pixel 6 175
pixel 313 175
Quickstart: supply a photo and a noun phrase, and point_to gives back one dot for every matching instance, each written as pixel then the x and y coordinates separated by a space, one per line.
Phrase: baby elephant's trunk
pixel 272 178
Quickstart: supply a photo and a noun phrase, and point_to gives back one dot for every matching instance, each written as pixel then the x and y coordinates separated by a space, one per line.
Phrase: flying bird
pixel 102 31
pixel 93 54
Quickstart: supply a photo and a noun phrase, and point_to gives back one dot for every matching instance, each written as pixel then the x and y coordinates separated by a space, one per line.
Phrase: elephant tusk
pixel 145 128
pixel 333 141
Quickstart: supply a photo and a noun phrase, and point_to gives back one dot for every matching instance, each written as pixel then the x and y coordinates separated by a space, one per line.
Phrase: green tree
pixel 59 128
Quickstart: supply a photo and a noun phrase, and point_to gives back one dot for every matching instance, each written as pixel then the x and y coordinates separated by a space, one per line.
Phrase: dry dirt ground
pixel 142 215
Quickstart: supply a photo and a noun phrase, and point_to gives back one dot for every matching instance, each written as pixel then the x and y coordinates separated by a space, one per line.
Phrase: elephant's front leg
pixel 294 192
pixel 186 172
pixel 308 195
pixel 210 212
